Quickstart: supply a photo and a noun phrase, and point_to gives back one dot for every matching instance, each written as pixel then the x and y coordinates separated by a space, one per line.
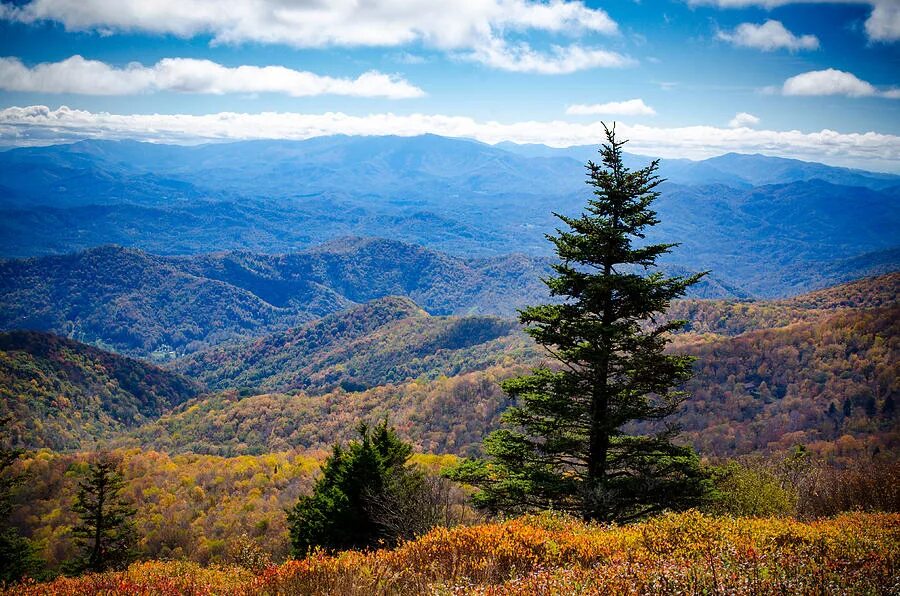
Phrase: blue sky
pixel 676 74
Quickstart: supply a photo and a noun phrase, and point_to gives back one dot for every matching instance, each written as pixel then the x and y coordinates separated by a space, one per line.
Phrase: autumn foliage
pixel 685 553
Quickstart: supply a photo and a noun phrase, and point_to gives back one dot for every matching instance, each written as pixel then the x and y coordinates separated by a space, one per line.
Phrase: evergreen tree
pixel 17 555
pixel 105 531
pixel 563 445
pixel 336 515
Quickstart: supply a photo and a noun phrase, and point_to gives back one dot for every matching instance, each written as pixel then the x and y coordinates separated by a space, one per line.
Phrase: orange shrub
pixel 685 553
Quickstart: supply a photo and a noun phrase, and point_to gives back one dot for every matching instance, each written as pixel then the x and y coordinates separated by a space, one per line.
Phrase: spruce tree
pixel 567 443
pixel 336 516
pixel 105 531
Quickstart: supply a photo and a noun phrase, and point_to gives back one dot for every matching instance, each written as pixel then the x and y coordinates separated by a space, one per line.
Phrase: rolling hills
pixel 384 341
pixel 769 375
pixel 143 304
pixel 819 369
pixel 62 394
pixel 762 391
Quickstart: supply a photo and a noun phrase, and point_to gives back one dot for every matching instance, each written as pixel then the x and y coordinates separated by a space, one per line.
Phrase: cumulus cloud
pixel 41 125
pixel 477 29
pixel 833 82
pixel 743 120
pixel 631 107
pixel 883 23
pixel 188 75
pixel 770 36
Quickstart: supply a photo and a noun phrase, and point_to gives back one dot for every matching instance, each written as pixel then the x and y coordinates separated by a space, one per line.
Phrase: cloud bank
pixel 188 75
pixel 559 60
pixel 476 30
pixel 41 125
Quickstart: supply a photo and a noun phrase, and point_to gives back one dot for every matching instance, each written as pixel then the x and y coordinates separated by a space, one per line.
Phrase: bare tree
pixel 413 502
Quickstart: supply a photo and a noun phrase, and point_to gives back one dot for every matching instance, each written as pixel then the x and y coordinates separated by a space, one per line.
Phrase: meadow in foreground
pixel 688 553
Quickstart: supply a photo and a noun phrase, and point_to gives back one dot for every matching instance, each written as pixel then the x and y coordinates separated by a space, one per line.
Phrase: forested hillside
pixel 830 384
pixel 770 374
pixel 147 305
pixel 385 341
pixel 444 415
pixel 733 317
pixel 128 301
pixel 62 394
pixel 836 379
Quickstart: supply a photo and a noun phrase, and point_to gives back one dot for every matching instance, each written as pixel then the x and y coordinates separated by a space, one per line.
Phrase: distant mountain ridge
pixel 734 169
pixel 144 304
pixel 766 226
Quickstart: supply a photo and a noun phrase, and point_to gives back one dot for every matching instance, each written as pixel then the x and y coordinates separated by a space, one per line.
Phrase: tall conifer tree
pixel 105 532
pixel 566 443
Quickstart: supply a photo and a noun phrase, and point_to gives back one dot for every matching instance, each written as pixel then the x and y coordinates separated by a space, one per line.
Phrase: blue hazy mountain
pixel 734 169
pixel 766 226
pixel 141 303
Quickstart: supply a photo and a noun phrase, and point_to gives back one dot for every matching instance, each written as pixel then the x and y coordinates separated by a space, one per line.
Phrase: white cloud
pixel 833 82
pixel 883 23
pixel 743 120
pixel 475 28
pixel 187 75
pixel 631 107
pixel 521 57
pixel 770 36
pixel 41 125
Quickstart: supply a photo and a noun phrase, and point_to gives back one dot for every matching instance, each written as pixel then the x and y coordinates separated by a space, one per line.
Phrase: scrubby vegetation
pixel 551 554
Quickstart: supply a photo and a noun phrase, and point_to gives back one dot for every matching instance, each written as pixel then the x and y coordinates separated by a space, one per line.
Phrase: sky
pixel 813 80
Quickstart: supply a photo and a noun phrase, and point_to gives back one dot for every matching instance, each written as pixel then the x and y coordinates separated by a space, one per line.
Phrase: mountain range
pixel 143 304
pixel 820 369
pixel 766 226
